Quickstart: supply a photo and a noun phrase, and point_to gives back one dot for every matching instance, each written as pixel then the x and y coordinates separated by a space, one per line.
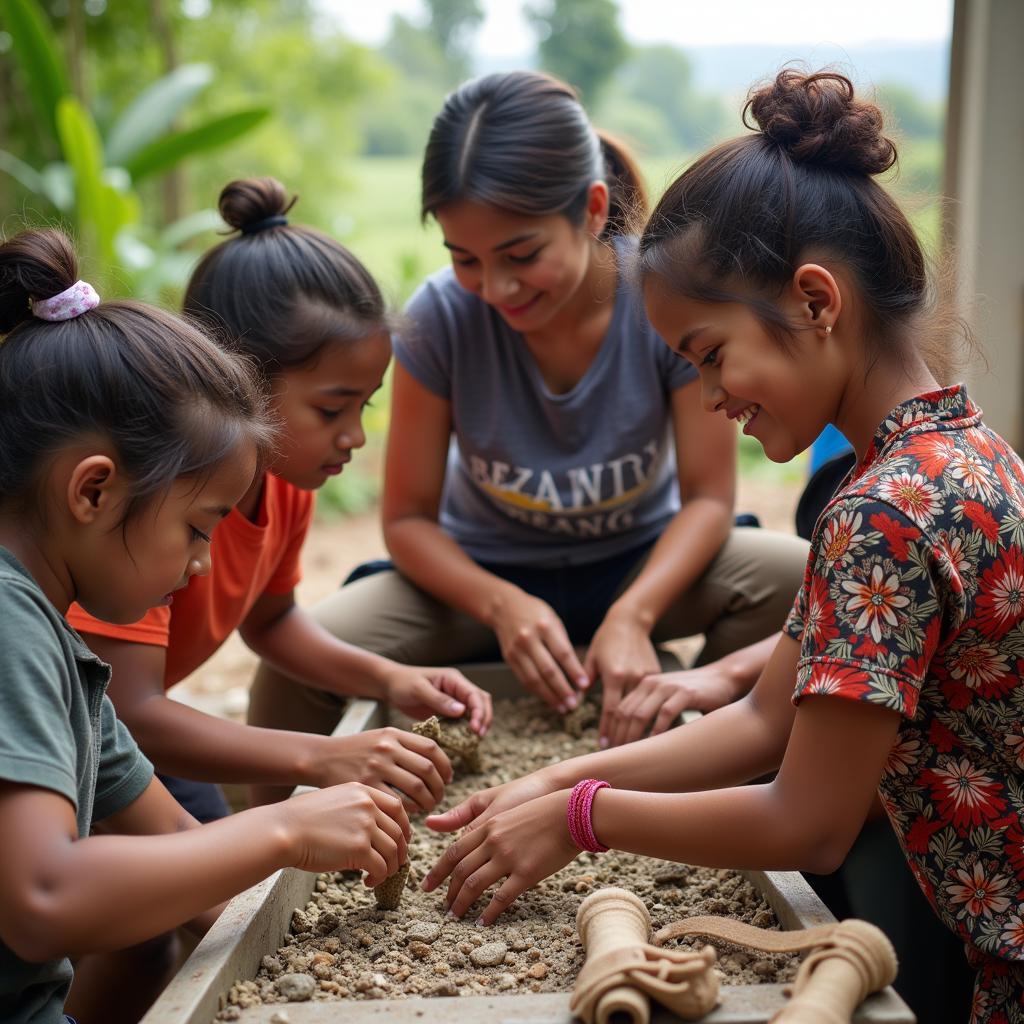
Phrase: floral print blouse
pixel 913 599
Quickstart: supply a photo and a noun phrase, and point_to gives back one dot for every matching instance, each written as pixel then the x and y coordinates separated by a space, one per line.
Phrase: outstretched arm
pixel 293 641
pixel 806 818
pixel 61 895
pixel 184 741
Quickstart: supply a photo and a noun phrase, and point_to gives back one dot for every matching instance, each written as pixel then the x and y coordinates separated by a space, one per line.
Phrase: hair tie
pixel 276 221
pixel 71 302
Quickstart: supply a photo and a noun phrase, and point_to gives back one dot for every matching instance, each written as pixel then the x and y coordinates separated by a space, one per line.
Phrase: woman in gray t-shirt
pixel 552 478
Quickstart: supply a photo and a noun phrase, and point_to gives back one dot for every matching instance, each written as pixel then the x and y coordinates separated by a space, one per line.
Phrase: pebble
pixel 296 988
pixel 280 1017
pixel 444 988
pixel 423 931
pixel 272 966
pixel 420 950
pixel 490 954
pixel 538 971
pixel 763 968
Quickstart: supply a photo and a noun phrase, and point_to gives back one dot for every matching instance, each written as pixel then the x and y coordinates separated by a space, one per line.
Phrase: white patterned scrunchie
pixel 71 302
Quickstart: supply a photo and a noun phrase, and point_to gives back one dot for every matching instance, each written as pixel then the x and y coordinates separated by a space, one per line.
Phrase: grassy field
pixel 379 219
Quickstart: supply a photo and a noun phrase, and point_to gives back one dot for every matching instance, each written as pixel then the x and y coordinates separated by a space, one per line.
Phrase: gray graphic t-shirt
pixel 536 478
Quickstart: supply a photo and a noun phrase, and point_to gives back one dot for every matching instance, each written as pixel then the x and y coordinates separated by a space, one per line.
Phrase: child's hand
pixel 483 806
pixel 620 655
pixel 346 828
pixel 536 647
pixel 421 692
pixel 522 845
pixel 665 696
pixel 383 758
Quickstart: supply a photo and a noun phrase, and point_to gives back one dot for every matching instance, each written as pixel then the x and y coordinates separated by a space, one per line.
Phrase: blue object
pixel 829 444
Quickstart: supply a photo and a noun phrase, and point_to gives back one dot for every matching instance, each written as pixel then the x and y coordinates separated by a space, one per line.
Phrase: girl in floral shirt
pixel 791 279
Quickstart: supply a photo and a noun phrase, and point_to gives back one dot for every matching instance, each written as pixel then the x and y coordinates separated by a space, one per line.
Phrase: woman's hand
pixel 661 698
pixel 485 804
pixel 620 655
pixel 536 647
pixel 386 758
pixel 420 692
pixel 523 846
pixel 346 828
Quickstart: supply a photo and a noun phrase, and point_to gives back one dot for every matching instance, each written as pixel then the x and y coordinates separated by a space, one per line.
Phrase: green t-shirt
pixel 58 731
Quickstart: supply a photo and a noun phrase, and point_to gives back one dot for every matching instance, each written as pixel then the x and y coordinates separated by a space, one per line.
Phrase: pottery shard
pixel 296 988
pixel 490 954
pixel 456 739
pixel 389 893
pixel 423 931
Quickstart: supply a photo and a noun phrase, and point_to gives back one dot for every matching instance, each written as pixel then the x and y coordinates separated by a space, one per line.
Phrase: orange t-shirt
pixel 247 560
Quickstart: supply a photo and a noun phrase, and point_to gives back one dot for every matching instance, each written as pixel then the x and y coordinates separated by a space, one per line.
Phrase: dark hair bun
pixel 248 201
pixel 33 265
pixel 817 120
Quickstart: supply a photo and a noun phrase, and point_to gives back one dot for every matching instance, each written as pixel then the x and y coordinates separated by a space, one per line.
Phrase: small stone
pixel 296 988
pixel 324 959
pixel 327 922
pixel 376 952
pixel 444 988
pixel 518 945
pixel 272 966
pixel 442 969
pixel 490 954
pixel 280 1017
pixel 423 931
pixel 538 971
pixel 420 950
pixel 763 919
pixel 762 968
pixel 534 953
pixel 506 982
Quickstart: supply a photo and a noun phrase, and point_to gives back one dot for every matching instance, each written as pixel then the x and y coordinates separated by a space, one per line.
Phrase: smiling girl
pixel 780 269
pixel 551 478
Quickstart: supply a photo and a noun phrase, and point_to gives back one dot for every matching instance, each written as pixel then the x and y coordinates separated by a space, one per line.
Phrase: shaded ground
pixel 333 548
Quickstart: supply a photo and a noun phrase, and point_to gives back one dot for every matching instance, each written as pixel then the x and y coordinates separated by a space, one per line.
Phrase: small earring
pixel 828 330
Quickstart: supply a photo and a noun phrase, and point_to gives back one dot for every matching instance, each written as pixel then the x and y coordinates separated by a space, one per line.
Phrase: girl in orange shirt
pixel 313 321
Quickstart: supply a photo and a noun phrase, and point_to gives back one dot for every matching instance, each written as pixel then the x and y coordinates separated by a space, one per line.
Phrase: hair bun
pixel 35 264
pixel 817 120
pixel 251 200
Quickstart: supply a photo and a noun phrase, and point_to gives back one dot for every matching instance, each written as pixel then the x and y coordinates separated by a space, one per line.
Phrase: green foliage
pixel 87 183
pixel 164 153
pixel 658 80
pixel 39 60
pixel 579 41
pixel 912 116
pixel 154 111
pixel 452 23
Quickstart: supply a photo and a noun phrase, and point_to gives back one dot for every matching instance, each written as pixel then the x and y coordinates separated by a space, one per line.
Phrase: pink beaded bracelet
pixel 578 815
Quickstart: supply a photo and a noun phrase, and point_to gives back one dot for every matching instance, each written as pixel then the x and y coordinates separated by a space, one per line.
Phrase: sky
pixel 687 23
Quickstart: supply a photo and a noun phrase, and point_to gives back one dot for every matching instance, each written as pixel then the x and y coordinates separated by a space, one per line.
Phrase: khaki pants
pixel 743 596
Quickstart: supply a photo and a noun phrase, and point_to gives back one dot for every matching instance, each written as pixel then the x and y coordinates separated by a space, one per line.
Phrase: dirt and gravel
pixel 341 946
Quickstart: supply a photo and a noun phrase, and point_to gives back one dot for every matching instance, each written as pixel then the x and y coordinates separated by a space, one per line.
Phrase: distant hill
pixel 732 69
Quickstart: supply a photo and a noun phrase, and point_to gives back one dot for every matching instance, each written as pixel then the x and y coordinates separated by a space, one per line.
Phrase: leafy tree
pixel 452 23
pixel 580 41
pixel 660 78
pixel 915 117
